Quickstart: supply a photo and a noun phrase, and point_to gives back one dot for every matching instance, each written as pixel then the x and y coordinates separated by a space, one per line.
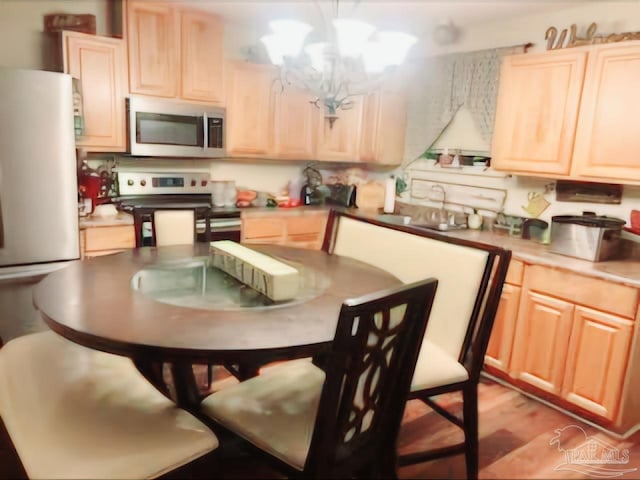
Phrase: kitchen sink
pixel 407 220
pixel 441 227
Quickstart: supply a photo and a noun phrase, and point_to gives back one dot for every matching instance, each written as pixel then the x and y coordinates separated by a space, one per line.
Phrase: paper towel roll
pixel 389 195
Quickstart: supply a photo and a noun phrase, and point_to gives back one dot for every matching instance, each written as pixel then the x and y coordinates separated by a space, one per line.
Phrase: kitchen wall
pixel 21 46
pixel 21 25
pixel 610 17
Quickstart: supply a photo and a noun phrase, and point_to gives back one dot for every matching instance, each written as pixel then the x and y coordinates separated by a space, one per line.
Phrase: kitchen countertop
pixel 107 221
pixel 625 272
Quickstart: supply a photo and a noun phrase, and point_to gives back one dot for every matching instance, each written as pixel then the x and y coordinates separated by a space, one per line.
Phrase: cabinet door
pixel 542 341
pixel 340 141
pixel 537 111
pixel 384 118
pixel 263 230
pixel 498 352
pixel 607 141
pixel 153 48
pixel 294 123
pixel 99 63
pixel 306 231
pixel 201 46
pixel 597 360
pixel 249 111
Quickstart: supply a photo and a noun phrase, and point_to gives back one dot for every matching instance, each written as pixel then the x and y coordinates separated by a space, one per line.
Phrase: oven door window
pixel 161 129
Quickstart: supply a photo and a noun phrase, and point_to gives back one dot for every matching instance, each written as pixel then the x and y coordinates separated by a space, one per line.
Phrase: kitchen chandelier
pixel 352 61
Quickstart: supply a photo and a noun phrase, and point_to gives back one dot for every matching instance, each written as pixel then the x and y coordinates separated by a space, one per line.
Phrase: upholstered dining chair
pixel 471 276
pixel 73 412
pixel 177 227
pixel 342 420
pixel 174 227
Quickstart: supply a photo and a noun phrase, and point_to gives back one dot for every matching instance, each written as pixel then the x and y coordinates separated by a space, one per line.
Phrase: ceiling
pixel 417 17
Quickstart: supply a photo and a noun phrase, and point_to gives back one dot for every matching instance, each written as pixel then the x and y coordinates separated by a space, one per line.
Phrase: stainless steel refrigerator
pixel 38 190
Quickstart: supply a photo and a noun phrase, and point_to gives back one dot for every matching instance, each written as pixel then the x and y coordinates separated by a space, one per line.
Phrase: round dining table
pixel 170 305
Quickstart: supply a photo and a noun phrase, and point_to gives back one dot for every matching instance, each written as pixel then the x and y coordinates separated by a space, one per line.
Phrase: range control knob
pixel 203 183
pixel 143 182
pixel 130 182
pixel 193 182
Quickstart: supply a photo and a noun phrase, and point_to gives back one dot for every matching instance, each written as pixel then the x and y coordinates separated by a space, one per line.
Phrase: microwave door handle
pixel 205 131
pixel 1 218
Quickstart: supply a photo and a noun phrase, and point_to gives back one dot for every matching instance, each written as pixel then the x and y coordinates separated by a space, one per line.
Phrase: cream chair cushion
pixel 73 412
pixel 174 227
pixel 436 368
pixel 276 411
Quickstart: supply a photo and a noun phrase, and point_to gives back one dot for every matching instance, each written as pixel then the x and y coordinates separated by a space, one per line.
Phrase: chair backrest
pixel 174 227
pixel 470 275
pixel 369 373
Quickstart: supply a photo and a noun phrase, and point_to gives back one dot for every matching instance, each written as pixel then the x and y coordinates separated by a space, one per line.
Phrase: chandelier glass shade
pixel 352 61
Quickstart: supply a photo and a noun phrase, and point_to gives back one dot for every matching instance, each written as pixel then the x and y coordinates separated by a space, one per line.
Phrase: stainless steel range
pixel 141 192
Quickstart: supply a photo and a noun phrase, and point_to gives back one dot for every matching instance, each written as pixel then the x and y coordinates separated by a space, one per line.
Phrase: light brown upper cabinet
pixel 201 47
pixel 537 111
pixel 99 63
pixel 267 119
pixel 570 114
pixel 384 119
pixel 174 52
pixel 340 141
pixel 153 48
pixel 607 141
pixel 294 123
pixel 249 109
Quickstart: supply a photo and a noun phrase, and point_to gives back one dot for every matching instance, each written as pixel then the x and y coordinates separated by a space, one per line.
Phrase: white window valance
pixel 447 83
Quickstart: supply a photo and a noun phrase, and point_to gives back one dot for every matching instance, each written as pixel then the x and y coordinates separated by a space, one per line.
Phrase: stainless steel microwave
pixel 166 128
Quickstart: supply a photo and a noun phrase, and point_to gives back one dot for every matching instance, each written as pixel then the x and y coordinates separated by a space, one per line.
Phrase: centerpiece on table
pixel 277 280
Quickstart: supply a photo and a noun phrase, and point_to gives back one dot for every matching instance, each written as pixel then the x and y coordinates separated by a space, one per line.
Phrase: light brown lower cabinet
pixel 97 241
pixel 300 229
pixel 571 338
pixel 498 353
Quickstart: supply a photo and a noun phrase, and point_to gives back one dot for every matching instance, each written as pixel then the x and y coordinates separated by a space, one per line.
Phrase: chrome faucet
pixel 441 189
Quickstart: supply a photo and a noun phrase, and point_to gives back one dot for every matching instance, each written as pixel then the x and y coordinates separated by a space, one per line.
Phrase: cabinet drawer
pixel 109 238
pixel 263 228
pixel 591 292
pixel 306 224
pixel 515 272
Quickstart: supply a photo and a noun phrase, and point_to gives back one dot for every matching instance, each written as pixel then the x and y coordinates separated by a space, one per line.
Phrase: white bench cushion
pixel 275 411
pixel 410 258
pixel 73 412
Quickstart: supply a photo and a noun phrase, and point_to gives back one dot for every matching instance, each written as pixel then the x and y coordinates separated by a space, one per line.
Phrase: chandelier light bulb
pixel 291 35
pixel 373 58
pixel 316 52
pixel 395 46
pixel 352 36
pixel 273 43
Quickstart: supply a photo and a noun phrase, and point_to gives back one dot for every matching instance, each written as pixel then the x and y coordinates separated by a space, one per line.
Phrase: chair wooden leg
pixel 470 412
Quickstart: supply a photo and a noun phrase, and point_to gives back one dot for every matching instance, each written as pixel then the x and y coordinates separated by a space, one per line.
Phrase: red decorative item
pixel 56 22
pixel 635 219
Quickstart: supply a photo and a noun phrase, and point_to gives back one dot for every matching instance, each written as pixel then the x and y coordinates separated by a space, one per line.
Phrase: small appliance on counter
pixel 341 195
pixel 536 230
pixel 586 236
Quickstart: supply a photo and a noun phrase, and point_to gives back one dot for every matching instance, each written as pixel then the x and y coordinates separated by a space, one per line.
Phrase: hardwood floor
pixel 515 443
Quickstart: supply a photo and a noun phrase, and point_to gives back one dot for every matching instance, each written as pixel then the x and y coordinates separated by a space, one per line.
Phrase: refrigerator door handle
pixel 1 217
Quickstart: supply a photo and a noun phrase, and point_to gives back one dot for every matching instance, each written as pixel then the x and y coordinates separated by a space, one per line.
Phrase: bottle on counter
pixel 390 195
